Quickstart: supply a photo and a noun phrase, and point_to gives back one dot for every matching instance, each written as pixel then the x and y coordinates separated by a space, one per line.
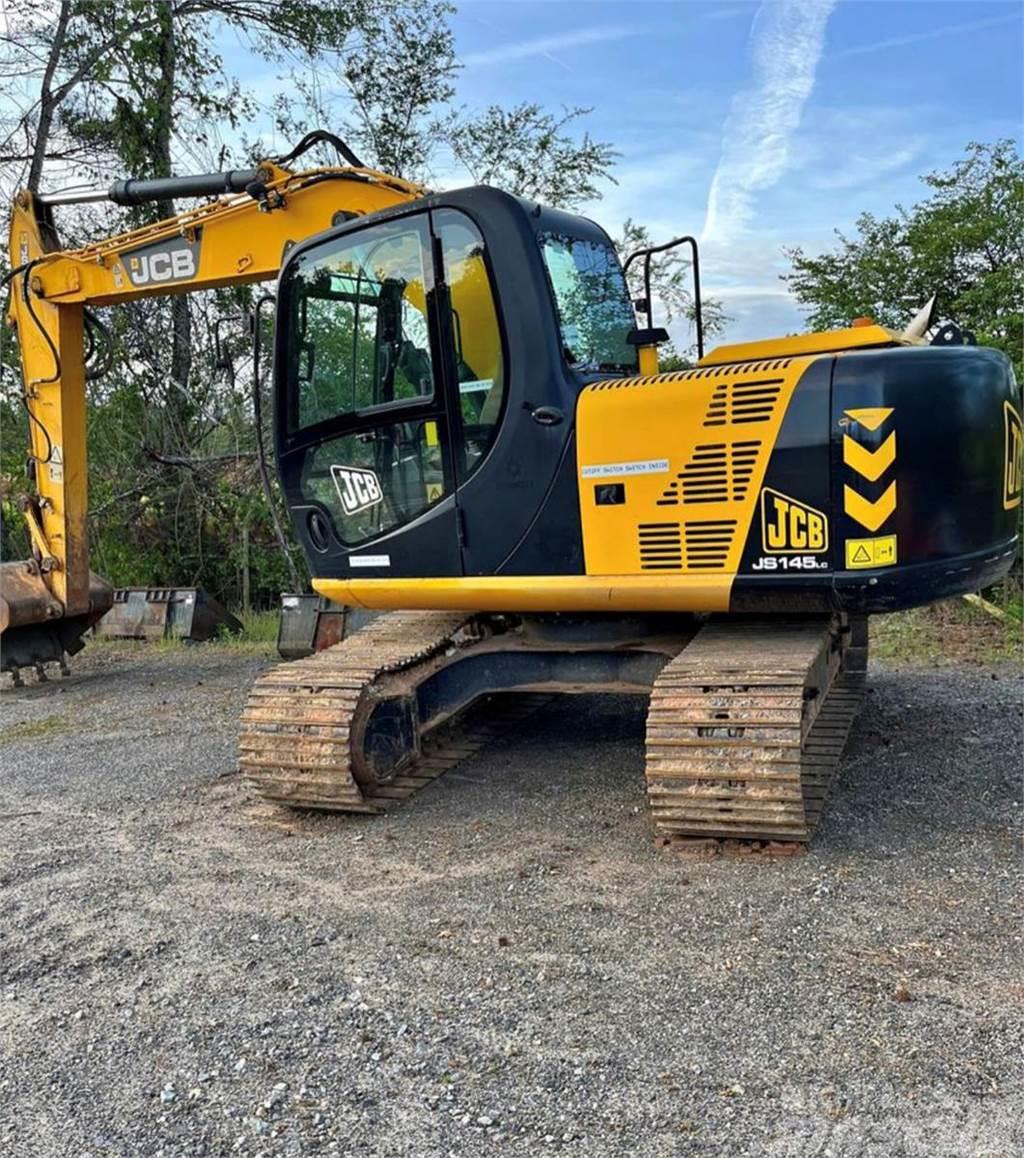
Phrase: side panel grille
pixel 715 473
pixel 743 402
pixel 661 547
pixel 702 545
pixel 708 543
pixel 744 458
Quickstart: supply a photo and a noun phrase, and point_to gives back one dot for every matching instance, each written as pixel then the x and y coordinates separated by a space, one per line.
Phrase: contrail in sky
pixel 925 34
pixel 546 45
pixel 787 40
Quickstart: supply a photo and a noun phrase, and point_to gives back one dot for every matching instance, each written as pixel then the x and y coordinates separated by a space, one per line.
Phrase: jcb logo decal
pixel 162 262
pixel 789 527
pixel 1013 468
pixel 358 489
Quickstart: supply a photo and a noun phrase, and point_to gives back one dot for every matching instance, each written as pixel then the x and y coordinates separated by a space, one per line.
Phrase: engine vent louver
pixel 743 402
pixel 661 546
pixel 707 544
pixel 715 473
pixel 698 546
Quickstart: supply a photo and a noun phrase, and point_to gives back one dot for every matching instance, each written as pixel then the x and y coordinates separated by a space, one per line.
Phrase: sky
pixel 757 126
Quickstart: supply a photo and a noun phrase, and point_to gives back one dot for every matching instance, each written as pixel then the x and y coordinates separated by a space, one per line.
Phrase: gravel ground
pixel 505 965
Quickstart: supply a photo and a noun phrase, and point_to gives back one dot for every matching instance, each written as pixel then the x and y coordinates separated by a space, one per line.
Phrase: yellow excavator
pixel 473 438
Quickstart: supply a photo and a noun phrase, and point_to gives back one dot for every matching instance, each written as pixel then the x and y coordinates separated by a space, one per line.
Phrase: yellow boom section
pixel 237 239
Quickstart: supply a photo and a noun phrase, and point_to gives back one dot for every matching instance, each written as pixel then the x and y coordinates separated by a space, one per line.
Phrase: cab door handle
pixel 547 415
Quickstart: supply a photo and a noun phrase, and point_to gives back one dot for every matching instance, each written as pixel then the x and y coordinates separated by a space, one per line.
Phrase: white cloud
pixel 547 45
pixel 787 39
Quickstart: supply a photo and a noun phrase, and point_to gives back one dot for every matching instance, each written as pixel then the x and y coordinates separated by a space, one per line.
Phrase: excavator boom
pixel 48 601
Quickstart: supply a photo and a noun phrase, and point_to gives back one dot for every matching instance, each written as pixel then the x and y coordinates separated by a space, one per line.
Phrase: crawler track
pixel 746 728
pixel 746 725
pixel 303 728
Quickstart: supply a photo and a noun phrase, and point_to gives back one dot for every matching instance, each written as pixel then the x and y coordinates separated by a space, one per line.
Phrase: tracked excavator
pixel 473 439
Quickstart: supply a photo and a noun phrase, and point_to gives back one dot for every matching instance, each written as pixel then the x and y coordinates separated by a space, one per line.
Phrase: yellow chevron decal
pixel 870 514
pixel 869 463
pixel 870 417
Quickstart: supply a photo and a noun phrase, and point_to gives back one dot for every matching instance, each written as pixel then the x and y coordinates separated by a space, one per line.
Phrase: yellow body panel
pixel 690 451
pixel 647 360
pixel 534 593
pixel 797 345
pixel 238 241
pixel 55 396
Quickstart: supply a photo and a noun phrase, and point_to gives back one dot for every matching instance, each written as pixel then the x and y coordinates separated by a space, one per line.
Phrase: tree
pixel 383 93
pixel 964 242
pixel 83 77
pixel 528 151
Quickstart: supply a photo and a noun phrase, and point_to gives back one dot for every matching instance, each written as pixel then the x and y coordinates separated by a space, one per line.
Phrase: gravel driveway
pixel 504 965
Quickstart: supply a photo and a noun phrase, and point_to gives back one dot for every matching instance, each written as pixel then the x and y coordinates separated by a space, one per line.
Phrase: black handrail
pixel 646 254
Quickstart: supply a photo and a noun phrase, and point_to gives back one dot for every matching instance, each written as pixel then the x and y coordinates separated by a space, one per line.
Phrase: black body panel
pixel 553 544
pixel 505 499
pixel 954 525
pixel 947 416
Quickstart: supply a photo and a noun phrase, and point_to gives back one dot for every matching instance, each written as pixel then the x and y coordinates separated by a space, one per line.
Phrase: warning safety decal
pixel 862 553
pixel 611 469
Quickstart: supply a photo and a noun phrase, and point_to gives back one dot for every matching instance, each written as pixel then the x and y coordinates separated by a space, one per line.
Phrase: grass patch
pixel 259 626
pixel 258 635
pixel 33 729
pixel 951 630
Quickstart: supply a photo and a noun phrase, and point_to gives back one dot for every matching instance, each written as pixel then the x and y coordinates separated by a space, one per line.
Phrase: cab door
pixel 364 429
pixel 536 304
pixel 474 368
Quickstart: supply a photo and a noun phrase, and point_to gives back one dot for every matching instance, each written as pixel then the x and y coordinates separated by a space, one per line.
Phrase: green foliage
pixel 964 242
pixel 259 626
pixel 14 540
pixel 401 72
pixel 951 632
pixel 670 360
pixel 527 151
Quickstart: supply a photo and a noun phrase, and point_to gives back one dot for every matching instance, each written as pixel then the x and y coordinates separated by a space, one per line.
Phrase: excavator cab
pixel 414 348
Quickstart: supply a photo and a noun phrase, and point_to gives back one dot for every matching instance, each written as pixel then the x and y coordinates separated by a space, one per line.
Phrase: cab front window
pixel 363 393
pixel 595 313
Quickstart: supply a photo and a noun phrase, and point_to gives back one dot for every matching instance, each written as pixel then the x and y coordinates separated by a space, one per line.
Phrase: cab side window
pixel 361 333
pixel 479 364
